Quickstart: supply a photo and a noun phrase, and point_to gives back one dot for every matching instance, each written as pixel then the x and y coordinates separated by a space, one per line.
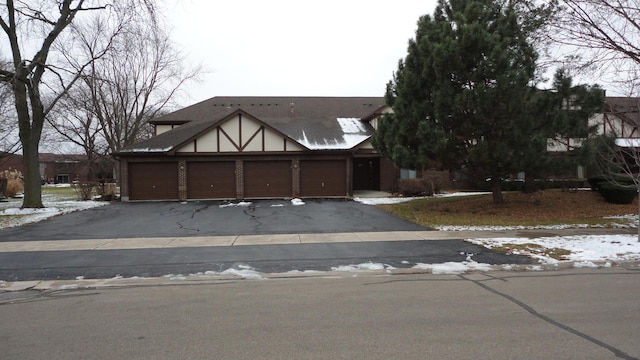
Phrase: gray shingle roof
pixel 626 108
pixel 315 122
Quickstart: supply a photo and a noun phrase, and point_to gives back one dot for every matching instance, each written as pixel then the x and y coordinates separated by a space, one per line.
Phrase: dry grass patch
pixel 535 249
pixel 550 207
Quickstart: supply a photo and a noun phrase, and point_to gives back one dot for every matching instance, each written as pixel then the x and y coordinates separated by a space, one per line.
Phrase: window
pixel 408 174
pixel 62 179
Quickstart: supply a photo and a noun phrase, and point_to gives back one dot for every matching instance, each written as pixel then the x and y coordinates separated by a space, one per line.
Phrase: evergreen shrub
pixel 617 194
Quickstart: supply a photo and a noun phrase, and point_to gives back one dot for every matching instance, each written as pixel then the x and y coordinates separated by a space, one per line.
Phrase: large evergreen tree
pixel 463 92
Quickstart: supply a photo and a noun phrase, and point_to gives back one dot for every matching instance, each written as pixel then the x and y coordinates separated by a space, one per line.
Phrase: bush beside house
pixel 622 192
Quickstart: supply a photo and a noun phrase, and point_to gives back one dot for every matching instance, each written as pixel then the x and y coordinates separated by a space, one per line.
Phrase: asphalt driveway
pixel 211 218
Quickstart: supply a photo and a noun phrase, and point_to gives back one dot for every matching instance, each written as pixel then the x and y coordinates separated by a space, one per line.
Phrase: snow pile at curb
pixel 362 267
pixel 454 268
pixel 243 271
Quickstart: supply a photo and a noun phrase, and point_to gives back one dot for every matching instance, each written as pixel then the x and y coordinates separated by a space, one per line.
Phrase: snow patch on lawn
pixel 398 200
pixel 11 215
pixel 581 249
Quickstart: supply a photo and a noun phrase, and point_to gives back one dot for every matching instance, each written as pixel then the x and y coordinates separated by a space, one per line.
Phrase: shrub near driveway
pixel 543 208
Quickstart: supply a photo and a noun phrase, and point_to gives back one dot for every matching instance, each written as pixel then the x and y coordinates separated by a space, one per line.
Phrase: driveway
pixel 211 218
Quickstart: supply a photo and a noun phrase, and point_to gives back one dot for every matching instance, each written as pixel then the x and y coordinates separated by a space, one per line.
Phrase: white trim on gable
pixel 240 133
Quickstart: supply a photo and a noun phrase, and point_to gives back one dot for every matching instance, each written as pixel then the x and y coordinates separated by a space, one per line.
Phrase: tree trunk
pixel 496 190
pixel 529 183
pixel 30 130
pixel 32 181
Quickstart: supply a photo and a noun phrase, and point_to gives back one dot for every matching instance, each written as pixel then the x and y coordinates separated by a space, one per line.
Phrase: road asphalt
pixel 564 314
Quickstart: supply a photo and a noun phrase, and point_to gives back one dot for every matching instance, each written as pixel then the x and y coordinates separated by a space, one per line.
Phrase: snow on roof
pixel 353 130
pixel 628 142
pixel 147 149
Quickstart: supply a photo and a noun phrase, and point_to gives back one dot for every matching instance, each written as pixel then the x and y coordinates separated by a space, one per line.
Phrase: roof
pixel 316 123
pixel 626 108
pixel 61 158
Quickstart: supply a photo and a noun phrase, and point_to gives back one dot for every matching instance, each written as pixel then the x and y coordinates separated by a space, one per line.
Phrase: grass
pixel 543 208
pixel 57 201
pixel 59 193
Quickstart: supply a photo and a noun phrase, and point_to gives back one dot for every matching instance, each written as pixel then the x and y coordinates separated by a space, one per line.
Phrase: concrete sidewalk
pixel 274 239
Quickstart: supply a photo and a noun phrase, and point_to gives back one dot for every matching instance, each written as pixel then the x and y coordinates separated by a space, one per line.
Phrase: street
pixel 567 314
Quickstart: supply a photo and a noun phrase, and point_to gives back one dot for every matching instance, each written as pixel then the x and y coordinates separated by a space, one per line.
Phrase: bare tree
pixel 38 72
pixel 9 140
pixel 117 95
pixel 601 38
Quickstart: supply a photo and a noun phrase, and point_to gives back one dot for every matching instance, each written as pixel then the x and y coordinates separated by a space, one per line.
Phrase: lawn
pixel 57 200
pixel 543 208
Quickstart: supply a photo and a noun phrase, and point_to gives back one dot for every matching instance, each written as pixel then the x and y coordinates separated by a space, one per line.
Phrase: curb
pixel 170 280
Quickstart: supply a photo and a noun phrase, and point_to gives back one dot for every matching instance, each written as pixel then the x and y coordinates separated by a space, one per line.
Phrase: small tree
pixel 618 160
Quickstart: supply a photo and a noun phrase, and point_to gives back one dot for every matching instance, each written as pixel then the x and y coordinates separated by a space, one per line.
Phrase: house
pixel 259 147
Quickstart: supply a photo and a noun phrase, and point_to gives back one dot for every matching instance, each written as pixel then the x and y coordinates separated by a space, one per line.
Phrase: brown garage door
pixel 323 178
pixel 153 181
pixel 211 180
pixel 267 179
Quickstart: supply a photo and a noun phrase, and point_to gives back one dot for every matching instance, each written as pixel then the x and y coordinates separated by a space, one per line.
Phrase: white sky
pixel 294 48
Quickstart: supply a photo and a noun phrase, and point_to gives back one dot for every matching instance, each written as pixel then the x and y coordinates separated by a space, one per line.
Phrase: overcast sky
pixel 294 48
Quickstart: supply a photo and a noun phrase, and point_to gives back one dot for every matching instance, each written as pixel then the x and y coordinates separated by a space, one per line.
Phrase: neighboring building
pixel 62 168
pixel 620 117
pixel 259 147
pixel 9 161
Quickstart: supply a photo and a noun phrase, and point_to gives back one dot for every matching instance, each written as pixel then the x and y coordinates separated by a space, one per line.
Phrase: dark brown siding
pixel 153 181
pixel 389 175
pixel 211 180
pixel 267 179
pixel 323 178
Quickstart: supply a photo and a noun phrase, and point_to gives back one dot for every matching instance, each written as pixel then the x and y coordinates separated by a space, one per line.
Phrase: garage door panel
pixel 268 179
pixel 323 178
pixel 153 181
pixel 211 180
